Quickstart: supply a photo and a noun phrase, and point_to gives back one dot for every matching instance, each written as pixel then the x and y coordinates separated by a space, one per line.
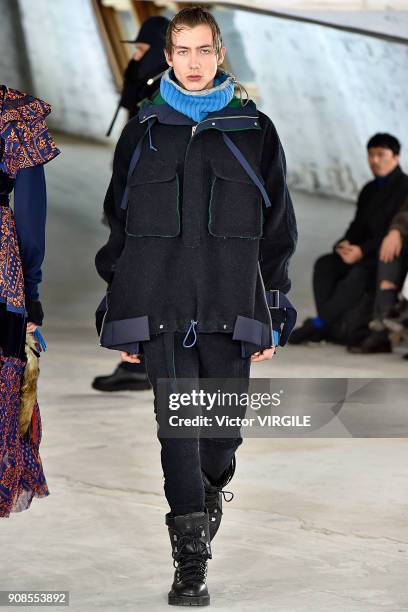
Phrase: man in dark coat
pixel 392 270
pixel 147 63
pixel 141 80
pixel 202 226
pixel 341 278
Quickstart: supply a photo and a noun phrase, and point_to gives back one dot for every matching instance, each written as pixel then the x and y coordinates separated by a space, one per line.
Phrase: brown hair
pixel 192 17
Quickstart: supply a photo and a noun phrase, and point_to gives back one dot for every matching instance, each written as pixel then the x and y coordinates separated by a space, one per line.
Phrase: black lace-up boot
pixel 214 495
pixel 190 542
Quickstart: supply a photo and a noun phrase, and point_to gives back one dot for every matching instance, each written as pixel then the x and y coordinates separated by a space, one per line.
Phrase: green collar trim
pixel 235 102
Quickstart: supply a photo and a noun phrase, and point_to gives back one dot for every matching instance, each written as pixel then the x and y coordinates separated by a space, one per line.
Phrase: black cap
pixel 152 32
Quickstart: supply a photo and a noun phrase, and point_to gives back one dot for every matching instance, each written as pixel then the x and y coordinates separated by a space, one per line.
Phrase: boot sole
pixel 124 387
pixel 180 600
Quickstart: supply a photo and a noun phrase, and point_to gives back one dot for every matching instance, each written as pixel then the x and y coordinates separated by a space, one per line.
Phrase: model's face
pixel 382 161
pixel 194 59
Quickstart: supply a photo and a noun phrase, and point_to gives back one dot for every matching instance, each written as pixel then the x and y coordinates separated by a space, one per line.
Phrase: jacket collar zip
pixel 228 119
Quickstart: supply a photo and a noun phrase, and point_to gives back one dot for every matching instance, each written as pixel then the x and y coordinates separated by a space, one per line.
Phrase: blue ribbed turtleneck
pixel 197 104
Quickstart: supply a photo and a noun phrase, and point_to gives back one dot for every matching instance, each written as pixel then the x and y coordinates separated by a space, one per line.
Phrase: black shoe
pixel 214 495
pixel 122 380
pixel 376 342
pixel 308 332
pixel 190 543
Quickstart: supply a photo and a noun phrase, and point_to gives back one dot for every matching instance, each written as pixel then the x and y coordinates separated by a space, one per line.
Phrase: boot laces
pixel 190 566
pixel 211 497
pixel 224 493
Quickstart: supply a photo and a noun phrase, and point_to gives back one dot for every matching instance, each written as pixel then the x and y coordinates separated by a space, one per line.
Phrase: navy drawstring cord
pixel 192 327
pixel 150 136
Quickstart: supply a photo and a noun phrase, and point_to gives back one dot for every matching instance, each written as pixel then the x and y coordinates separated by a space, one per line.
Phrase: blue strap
pixel 133 163
pixel 246 166
pixel 40 340
pixel 275 337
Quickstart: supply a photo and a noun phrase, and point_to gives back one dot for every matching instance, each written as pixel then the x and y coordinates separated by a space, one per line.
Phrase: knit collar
pixel 384 180
pixel 197 104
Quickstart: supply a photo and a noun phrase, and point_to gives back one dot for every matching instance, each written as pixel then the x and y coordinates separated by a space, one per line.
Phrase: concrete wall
pixel 68 64
pixel 14 71
pixel 327 92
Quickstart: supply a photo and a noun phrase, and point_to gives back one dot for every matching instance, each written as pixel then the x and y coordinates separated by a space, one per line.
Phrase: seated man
pixel 392 271
pixel 341 278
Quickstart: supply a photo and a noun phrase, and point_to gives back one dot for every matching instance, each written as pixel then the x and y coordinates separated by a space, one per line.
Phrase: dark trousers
pixel 213 355
pixel 339 286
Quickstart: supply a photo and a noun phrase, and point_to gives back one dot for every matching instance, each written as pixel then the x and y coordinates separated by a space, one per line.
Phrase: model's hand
pixel 342 249
pixel 31 327
pixel 352 254
pixel 262 355
pixel 391 246
pixel 342 245
pixel 137 54
pixel 130 357
pixel 140 50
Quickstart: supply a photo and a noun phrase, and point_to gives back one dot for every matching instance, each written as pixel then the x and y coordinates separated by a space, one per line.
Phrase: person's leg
pixel 180 459
pixel 220 358
pixel 389 281
pixel 327 272
pixel 347 292
pixel 188 520
pixel 390 277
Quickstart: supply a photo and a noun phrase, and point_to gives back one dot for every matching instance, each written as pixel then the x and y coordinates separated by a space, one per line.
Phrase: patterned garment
pixel 21 472
pixel 11 274
pixel 25 142
pixel 26 139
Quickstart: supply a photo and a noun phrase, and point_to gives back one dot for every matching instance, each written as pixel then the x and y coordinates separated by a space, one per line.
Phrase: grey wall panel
pixel 69 65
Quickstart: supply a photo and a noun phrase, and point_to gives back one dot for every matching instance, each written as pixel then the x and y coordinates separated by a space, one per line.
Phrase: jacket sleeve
pixel 30 208
pixel 354 233
pixel 358 232
pixel 107 256
pixel 279 238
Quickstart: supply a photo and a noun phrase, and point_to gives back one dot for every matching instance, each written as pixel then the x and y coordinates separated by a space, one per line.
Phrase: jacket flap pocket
pixel 249 330
pixel 124 331
pixel 233 171
pixel 159 172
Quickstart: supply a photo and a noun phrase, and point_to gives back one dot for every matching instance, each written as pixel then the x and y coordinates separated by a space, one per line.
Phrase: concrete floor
pixel 315 525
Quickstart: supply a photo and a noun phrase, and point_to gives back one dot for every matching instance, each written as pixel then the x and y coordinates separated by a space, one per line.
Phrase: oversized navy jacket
pixel 196 241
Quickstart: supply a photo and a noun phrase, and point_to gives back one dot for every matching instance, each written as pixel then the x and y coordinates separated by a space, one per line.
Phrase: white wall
pixel 327 92
pixel 69 65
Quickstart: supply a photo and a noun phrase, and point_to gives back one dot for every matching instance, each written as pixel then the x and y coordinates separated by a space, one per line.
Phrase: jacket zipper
pixel 230 117
pixel 210 119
